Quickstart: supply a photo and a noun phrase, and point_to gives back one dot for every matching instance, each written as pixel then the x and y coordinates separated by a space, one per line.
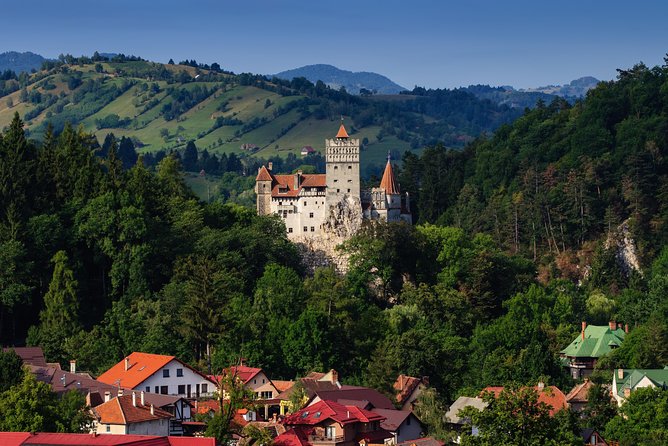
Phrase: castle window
pixel 290 230
pixel 336 181
pixel 350 167
pixel 305 228
pixel 312 229
pixel 336 167
pixel 305 203
pixel 338 190
pixel 350 181
pixel 348 190
pixel 310 215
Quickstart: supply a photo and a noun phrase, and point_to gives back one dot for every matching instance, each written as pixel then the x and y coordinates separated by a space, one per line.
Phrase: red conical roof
pixel 342 132
pixel 388 182
pixel 263 174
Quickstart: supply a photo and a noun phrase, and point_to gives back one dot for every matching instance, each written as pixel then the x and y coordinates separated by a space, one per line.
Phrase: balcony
pixel 320 439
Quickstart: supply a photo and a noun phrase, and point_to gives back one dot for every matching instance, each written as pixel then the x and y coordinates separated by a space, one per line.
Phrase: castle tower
pixel 263 184
pixel 343 167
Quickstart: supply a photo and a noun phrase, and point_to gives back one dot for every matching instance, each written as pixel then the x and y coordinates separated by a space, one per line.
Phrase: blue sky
pixel 438 43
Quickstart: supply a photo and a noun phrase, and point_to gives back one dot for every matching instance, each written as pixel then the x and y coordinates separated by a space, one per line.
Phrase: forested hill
pixel 561 176
pixel 20 62
pixel 164 106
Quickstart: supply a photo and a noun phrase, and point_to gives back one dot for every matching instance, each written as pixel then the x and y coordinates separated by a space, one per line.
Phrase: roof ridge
pixel 120 408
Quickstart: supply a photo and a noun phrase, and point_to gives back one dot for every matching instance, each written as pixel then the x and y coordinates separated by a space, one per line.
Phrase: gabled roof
pixel 393 418
pixel 61 439
pixel 244 373
pixel 452 415
pixel 426 441
pixel 596 342
pixel 292 437
pixel 550 395
pixel 579 393
pixel 405 386
pixel 282 386
pixel 263 174
pixel 389 183
pixel 330 410
pixel 631 378
pixel 141 367
pixel 284 185
pixel 342 132
pixel 120 410
pixel 29 355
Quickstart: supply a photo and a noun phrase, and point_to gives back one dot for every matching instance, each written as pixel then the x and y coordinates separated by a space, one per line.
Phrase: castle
pixel 306 201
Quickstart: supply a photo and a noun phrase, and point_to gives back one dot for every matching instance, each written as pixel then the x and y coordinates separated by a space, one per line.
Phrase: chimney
pixel 271 166
pixel 627 392
pixel 127 363
pixel 107 396
pixel 613 325
pixel 541 385
pixel 335 376
pixel 298 179
pixel 584 326
pixel 120 392
pixel 73 365
pixel 626 328
pixel 152 410
pixel 141 396
pixel 620 373
pixel 134 399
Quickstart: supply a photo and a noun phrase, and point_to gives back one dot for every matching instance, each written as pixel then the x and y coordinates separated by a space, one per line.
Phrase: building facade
pixel 303 201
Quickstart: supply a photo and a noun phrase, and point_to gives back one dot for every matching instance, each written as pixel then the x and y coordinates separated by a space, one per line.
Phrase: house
pixel 455 421
pixel 425 441
pixel 592 343
pixel 307 150
pixel 362 397
pixel 333 424
pixel 60 439
pixel 158 374
pixel 578 397
pixel 550 395
pixel 255 380
pixel 130 414
pixel 312 383
pixel 591 437
pixel 29 355
pixel 626 381
pixel 402 424
pixel 408 389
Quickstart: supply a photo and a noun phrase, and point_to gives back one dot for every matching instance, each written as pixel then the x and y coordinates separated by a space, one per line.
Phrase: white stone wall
pixel 342 168
pixel 154 427
pixel 306 211
pixel 173 381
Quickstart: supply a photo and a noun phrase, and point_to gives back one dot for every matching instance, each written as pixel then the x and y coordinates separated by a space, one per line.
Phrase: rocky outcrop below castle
pixel 343 220
pixel 624 245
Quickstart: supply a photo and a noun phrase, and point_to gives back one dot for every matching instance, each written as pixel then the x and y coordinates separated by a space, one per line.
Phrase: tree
pixel 232 395
pixel 127 153
pixel 189 159
pixel 59 318
pixel 643 419
pixel 600 408
pixel 11 369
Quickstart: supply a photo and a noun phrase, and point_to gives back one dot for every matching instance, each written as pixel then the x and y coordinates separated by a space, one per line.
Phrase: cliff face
pixel 625 249
pixel 343 220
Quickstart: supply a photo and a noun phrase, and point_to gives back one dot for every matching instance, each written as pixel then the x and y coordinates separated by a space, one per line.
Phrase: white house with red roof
pixel 162 374
pixel 130 414
pixel 329 423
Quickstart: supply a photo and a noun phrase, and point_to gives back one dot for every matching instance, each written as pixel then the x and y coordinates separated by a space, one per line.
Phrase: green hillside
pixel 163 106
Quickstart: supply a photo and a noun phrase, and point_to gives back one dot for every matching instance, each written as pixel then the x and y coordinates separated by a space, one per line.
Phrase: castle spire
pixel 388 182
pixel 342 131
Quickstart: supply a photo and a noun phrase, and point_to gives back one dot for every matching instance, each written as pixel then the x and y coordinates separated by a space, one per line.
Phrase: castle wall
pixel 343 168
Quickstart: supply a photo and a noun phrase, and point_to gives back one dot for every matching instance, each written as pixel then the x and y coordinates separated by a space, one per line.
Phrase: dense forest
pixel 518 241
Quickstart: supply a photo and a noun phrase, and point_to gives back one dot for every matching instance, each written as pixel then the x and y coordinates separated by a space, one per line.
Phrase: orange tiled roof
pixel 388 182
pixel 550 395
pixel 579 393
pixel 342 132
pixel 142 366
pixel 121 411
pixel 286 183
pixel 405 386
pixel 263 174
pixel 282 386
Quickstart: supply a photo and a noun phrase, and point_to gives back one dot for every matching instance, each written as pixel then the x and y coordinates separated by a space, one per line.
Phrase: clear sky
pixel 437 43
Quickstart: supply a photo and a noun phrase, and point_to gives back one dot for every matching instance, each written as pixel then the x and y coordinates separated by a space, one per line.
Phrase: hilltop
pixel 20 62
pixel 336 78
pixel 163 106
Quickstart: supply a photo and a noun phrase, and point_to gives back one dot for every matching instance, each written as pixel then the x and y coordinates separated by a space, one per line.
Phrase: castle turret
pixel 263 184
pixel 343 166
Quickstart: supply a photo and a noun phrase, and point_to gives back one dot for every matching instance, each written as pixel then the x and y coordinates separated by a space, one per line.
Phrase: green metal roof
pixel 598 340
pixel 633 376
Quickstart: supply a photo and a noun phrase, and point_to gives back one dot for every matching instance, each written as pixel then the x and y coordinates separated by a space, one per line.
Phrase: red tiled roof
pixel 206 406
pixel 342 132
pixel 374 437
pixel 282 386
pixel 579 393
pixel 388 182
pixel 142 366
pixel 292 437
pixel 286 183
pixel 324 410
pixel 263 174
pixel 121 411
pixel 191 441
pixel 13 438
pixel 61 439
pixel 405 386
pixel 550 395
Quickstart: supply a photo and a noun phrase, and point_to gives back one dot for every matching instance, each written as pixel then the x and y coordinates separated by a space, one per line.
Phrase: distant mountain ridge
pixel 577 88
pixel 336 78
pixel 18 62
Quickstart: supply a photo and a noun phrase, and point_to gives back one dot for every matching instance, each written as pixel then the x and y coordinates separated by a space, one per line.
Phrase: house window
pixel 255 381
pixel 330 432
pixel 266 395
pixel 148 389
pixel 205 388
pixel 157 389
pixel 310 215
pixel 108 428
pixel 263 378
pixel 165 373
pixel 179 372
pixel 182 389
pixel 164 390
